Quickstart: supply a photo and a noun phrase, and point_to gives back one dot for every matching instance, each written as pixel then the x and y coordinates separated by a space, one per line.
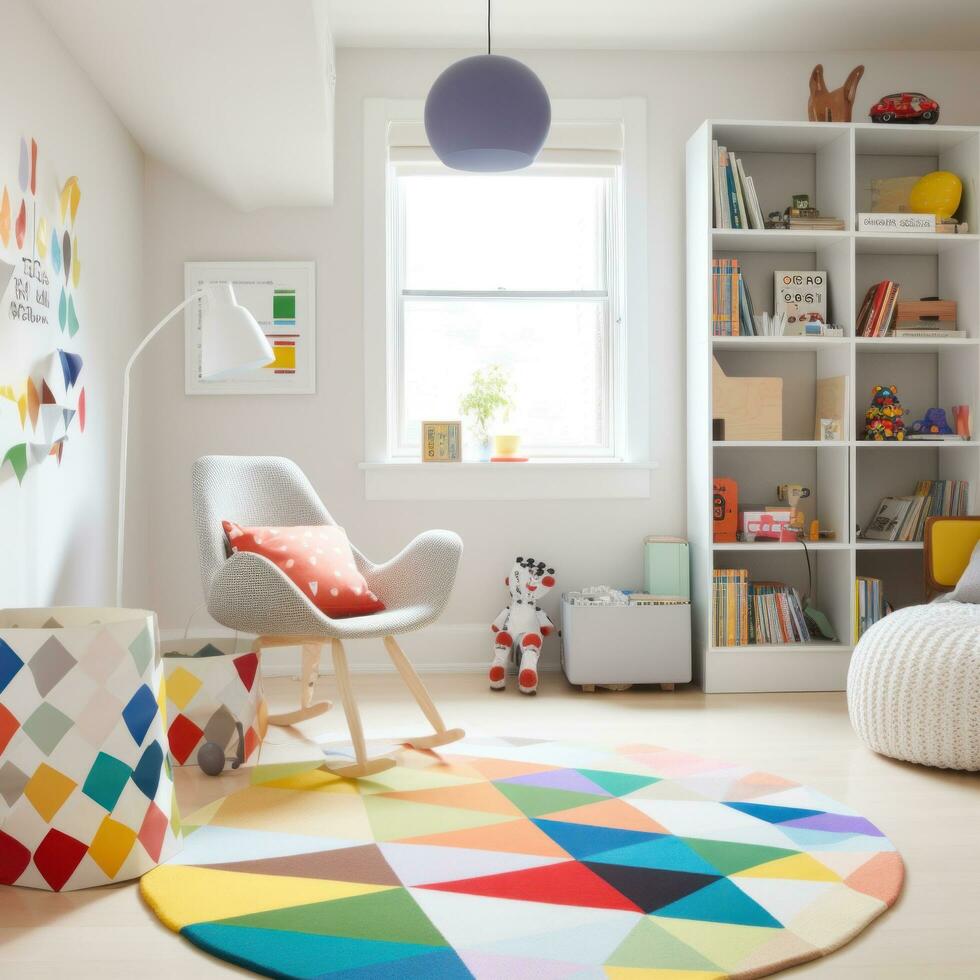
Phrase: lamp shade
pixel 488 113
pixel 231 340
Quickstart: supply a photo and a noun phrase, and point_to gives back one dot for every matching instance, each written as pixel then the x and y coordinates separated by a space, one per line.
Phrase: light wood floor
pixel 932 816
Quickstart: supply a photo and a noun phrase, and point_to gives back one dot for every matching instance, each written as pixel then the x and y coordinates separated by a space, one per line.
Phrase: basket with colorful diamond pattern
pixel 86 791
pixel 211 685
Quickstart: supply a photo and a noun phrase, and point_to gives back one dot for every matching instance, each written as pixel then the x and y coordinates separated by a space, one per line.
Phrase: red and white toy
pixel 521 627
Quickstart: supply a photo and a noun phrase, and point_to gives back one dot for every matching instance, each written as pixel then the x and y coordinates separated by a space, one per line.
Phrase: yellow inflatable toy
pixel 937 193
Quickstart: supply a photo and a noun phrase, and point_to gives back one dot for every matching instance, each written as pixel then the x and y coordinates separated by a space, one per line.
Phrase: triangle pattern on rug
pixel 731 857
pixel 387 916
pixel 514 836
pixel 536 801
pixel 798 867
pixel 395 819
pixel 582 840
pixel 297 954
pixel 618 783
pixel 773 814
pixel 483 797
pixel 500 768
pixel 569 883
pixel 671 952
pixel 722 943
pixel 364 863
pixel 570 780
pixel 650 888
pixel 721 901
pixel 424 864
pixel 664 853
pixel 610 813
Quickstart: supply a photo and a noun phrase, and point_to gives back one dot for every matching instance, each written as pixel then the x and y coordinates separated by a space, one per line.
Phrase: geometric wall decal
pixel 86 790
pixel 464 871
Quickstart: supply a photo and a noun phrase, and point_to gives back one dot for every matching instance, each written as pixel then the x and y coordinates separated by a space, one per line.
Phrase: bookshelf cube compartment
pixel 900 571
pixel 828 582
pixel 822 469
pixel 948 270
pixel 758 267
pixel 793 159
pixel 800 371
pixel 939 378
pixel 898 151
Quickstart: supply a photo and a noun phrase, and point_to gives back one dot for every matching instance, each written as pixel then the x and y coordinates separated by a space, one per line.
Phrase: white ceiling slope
pixel 663 25
pixel 236 94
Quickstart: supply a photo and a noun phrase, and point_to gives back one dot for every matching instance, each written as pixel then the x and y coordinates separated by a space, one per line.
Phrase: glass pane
pixel 555 353
pixel 523 233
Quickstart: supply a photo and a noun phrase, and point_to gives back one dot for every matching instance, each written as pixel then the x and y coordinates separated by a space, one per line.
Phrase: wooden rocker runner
pixel 249 593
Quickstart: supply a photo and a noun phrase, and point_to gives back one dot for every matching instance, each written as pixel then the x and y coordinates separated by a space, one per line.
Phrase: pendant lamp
pixel 487 114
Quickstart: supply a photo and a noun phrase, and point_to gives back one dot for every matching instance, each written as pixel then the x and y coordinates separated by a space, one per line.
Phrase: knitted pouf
pixel 913 689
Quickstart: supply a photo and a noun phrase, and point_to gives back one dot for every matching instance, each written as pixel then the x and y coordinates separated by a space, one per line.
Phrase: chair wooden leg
pixel 364 766
pixel 441 735
pixel 310 675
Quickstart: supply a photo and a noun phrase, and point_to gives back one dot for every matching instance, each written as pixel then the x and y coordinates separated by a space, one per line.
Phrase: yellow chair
pixel 949 543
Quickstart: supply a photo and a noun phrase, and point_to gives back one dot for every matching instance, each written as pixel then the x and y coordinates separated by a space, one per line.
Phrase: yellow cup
pixel 506 445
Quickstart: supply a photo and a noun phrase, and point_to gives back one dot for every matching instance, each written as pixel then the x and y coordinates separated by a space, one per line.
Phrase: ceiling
pixel 236 94
pixel 692 25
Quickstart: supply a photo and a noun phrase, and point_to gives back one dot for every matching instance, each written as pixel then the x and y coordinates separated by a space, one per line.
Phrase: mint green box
pixel 666 567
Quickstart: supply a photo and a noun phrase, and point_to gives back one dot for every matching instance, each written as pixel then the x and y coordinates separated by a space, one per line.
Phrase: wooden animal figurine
pixel 832 106
pixel 518 630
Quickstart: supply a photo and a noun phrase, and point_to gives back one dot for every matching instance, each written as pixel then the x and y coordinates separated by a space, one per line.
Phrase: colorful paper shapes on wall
pixel 71 194
pixel 20 225
pixel 45 399
pixel 5 219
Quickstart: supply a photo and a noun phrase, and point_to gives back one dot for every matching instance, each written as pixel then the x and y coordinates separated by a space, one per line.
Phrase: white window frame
pixel 613 407
pixel 625 472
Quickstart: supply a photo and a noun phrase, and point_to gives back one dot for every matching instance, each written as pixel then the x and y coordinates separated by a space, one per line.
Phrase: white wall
pixel 57 530
pixel 587 541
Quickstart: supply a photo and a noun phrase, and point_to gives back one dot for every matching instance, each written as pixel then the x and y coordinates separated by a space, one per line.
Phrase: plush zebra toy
pixel 519 629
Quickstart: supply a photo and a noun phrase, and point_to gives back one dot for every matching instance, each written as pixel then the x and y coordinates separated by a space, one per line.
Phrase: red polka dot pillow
pixel 318 560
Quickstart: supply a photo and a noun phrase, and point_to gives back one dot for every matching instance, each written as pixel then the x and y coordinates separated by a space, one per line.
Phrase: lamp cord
pixel 488 26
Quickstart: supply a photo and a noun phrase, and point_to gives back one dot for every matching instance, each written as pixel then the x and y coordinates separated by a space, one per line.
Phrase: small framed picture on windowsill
pixel 442 442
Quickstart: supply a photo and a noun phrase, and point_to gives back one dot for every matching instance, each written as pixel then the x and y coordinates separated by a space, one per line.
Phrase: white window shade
pixel 572 144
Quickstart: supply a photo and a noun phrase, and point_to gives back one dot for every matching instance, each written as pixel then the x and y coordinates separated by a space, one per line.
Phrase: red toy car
pixel 909 107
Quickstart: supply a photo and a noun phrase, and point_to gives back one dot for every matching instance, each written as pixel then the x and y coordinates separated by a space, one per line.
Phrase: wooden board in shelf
pixel 751 407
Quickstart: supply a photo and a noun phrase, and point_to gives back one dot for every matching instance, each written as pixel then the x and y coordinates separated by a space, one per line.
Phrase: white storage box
pixel 634 644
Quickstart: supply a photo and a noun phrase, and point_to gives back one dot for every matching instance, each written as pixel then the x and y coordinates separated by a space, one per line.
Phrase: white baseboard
pixel 441 649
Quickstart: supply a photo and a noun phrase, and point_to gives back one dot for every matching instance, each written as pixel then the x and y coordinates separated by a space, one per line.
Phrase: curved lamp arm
pixel 123 445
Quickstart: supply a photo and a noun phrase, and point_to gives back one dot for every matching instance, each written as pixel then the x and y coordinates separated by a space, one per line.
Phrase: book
pixel 816 224
pixel 801 296
pixel 755 211
pixel 726 318
pixel 888 519
pixel 924 331
pixel 899 222
pixel 777 614
pixel 934 437
pixel 732 197
pixel 877 309
pixel 737 178
pixel 869 604
pixel 716 198
pixel 730 606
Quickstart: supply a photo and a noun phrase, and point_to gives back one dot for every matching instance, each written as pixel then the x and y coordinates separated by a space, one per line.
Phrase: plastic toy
pixel 836 105
pixel 792 494
pixel 883 419
pixel 905 107
pixel 961 416
pixel 519 629
pixel 932 423
pixel 211 755
pixel 937 193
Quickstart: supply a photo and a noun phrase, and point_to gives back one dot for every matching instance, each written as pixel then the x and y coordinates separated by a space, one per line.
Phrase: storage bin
pixel 212 683
pixel 634 644
pixel 86 795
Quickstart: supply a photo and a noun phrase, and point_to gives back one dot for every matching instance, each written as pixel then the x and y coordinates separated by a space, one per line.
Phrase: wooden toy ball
pixel 937 193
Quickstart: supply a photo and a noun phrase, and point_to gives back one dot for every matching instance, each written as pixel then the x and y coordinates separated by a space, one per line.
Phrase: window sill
pixel 537 479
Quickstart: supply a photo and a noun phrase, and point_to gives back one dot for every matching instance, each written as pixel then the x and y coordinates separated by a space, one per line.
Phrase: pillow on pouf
pixel 968 587
pixel 318 560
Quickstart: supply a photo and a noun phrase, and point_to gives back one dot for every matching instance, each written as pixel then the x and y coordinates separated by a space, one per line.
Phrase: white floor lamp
pixel 231 341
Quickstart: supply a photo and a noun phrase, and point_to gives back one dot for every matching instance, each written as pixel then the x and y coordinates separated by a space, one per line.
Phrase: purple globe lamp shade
pixel 487 114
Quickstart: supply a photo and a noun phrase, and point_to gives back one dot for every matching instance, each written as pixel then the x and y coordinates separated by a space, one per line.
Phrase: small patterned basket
pixel 213 683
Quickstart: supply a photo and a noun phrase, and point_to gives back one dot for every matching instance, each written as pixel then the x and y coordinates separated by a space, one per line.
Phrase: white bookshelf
pixel 834 163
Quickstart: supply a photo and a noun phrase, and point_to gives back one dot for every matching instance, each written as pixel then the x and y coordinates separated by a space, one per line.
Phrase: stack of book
pixel 732 314
pixel 877 309
pixel 869 604
pixel 736 202
pixel 730 604
pixel 777 614
pixel 927 318
pixel 808 223
pixel 904 518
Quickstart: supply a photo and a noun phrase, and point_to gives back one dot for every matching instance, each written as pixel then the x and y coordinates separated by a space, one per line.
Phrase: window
pixel 511 269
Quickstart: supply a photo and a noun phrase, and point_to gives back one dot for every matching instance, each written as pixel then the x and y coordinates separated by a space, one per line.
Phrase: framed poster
pixel 282 298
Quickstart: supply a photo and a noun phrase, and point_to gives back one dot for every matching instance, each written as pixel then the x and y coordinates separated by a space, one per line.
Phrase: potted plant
pixel 488 400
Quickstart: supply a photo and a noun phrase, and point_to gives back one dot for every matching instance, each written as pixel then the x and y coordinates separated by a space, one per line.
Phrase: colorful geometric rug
pixel 519 858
